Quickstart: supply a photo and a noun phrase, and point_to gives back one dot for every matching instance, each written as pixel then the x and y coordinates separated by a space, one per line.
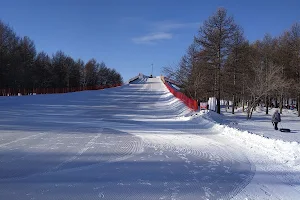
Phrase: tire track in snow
pixel 79 153
pixel 123 146
pixel 111 148
pixel 21 139
pixel 223 157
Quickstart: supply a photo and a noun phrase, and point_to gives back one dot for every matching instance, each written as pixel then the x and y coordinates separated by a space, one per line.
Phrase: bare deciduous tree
pixel 216 38
pixel 263 84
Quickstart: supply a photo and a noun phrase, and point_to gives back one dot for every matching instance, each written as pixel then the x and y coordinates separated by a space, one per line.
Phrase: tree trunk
pixel 243 96
pixel 248 112
pixel 281 103
pixel 218 105
pixel 267 104
pixel 251 112
pixel 219 76
pixel 219 91
pixel 234 83
pixel 233 104
pixel 298 103
pixel 244 102
pixel 251 106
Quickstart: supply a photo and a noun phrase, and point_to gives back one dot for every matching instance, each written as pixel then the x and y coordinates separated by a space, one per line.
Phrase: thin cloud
pixel 161 30
pixel 171 25
pixel 152 38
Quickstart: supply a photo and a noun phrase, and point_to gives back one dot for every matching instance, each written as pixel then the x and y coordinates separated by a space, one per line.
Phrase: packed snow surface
pixel 133 142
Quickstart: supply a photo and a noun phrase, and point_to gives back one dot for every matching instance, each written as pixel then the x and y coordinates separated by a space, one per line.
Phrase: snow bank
pixel 260 123
pixel 283 152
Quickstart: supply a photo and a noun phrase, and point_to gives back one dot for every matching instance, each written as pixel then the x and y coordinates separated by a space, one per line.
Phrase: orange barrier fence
pixel 35 91
pixel 191 103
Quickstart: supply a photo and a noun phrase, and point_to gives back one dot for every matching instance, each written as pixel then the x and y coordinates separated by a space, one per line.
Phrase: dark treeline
pixel 222 63
pixel 22 67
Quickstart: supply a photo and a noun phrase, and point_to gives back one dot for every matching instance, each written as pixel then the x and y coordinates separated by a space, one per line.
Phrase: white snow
pixel 260 123
pixel 137 142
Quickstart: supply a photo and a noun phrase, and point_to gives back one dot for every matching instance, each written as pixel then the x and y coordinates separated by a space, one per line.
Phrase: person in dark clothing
pixel 276 118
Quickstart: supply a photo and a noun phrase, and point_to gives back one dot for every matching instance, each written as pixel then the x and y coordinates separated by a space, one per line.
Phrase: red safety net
pixel 191 103
pixel 36 91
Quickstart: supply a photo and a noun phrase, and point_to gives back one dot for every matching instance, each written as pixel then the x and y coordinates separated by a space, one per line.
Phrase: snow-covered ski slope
pixel 130 142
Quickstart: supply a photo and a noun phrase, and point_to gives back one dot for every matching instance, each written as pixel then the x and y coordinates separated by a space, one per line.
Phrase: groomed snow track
pixel 128 142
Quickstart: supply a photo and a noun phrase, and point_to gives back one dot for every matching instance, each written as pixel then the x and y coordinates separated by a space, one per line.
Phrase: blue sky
pixel 130 35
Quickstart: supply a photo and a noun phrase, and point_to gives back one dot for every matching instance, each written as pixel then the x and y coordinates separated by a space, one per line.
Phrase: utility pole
pixel 152 70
